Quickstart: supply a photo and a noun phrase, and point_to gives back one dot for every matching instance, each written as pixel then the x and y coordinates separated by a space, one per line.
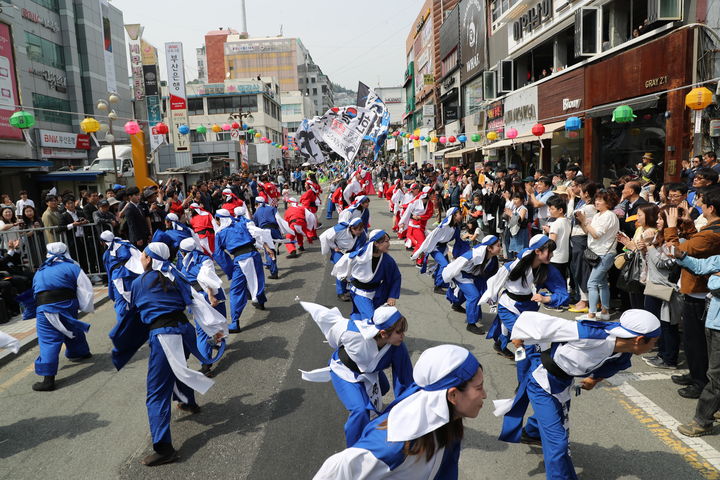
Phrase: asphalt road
pixel 261 421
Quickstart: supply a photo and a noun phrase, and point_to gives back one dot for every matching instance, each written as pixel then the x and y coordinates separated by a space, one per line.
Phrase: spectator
pixel 7 202
pixel 22 203
pixel 90 206
pixel 9 225
pixel 137 227
pixel 703 244
pixel 602 231
pixel 51 218
pixel 14 278
pixel 517 215
pixel 539 200
pixel 559 231
pixel 631 201
pixel 34 241
pixel 645 233
pixel 78 237
pixel 581 194
pixel 104 218
pixel 711 162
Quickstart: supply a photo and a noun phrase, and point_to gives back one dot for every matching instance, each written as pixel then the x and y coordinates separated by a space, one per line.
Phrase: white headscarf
pixel 57 249
pixel 188 245
pixel 160 255
pixel 437 370
pixel 384 317
pixel 224 218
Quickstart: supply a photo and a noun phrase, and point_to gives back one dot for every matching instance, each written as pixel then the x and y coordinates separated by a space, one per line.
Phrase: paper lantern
pixel 251 132
pixel 475 137
pixel 132 127
pixel 89 125
pixel 244 126
pixel 216 128
pixel 422 137
pixel 258 135
pixel 623 114
pixel 511 133
pixel 23 120
pixel 435 139
pixel 226 127
pixel 262 139
pixel 443 140
pixel 462 138
pixel 110 138
pixel 201 129
pixel 538 129
pixel 698 98
pixel 284 147
pixel 573 123
pixel 161 128
pixel 183 129
pixel 235 125
pixel 452 139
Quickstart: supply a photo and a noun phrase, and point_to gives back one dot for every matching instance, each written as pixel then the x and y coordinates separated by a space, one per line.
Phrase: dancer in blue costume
pixel 341 239
pixel 267 217
pixel 174 233
pixel 159 297
pixel 467 276
pixel 435 246
pixel 373 275
pixel 360 208
pixel 61 288
pixel 236 253
pixel 363 349
pixel 199 269
pixel 588 349
pixel 122 264
pixel 418 436
pixel 517 287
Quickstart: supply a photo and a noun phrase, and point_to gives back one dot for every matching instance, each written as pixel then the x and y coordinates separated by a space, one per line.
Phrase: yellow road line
pixel 17 377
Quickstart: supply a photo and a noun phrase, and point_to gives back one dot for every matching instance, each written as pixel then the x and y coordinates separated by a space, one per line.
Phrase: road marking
pixel 620 378
pixel 696 451
pixel 17 377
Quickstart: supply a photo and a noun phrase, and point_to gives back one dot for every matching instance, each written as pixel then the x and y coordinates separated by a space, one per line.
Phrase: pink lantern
pixel 443 139
pixel 235 125
pixel 226 127
pixel 452 139
pixel 511 133
pixel 263 139
pixel 132 127
pixel 284 147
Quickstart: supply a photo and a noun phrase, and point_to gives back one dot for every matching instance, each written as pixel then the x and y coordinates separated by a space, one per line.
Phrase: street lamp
pixel 105 105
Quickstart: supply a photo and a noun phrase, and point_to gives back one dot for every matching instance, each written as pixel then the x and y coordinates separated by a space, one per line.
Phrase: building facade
pixel 59 58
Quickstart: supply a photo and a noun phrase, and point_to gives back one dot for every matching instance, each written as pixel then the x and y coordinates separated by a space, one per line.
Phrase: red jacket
pixel 308 200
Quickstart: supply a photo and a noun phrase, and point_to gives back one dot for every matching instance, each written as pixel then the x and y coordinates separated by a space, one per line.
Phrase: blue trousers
pixel 549 423
pixel 468 293
pixel 356 401
pixel 161 382
pixel 271 264
pixel 239 288
pixel 365 306
pixel 442 262
pixel 204 342
pixel 340 285
pixel 330 209
pixel 51 340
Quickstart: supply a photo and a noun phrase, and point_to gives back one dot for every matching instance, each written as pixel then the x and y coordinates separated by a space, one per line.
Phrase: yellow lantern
pixel 492 136
pixel 258 135
pixel 90 125
pixel 216 128
pixel 698 98
pixel 434 139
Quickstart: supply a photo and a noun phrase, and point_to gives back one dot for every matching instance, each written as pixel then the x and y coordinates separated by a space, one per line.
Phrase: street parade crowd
pixel 636 261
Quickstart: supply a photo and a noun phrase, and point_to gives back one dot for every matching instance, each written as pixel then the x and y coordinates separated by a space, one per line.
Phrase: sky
pixel 351 40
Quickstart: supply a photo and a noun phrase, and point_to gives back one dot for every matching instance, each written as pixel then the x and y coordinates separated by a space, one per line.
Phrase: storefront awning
pixel 25 163
pixel 550 128
pixel 445 151
pixel 459 153
pixel 68 176
pixel 639 103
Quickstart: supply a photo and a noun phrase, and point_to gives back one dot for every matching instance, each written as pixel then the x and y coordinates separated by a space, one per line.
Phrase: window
pixel 472 97
pixel 588 23
pixel 312 80
pixel 450 62
pixel 44 51
pixel 195 106
pixel 222 136
pixel 197 137
pixel 231 104
pixel 49 4
pixel 489 91
pixel 50 109
pixel 499 7
pixel 292 109
pixel 505 76
pixel 314 91
pixel 663 10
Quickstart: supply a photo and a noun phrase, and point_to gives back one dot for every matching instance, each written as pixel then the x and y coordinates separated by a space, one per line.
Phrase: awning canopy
pixel 25 163
pixel 69 176
pixel 639 103
pixel 445 151
pixel 550 128
pixel 459 153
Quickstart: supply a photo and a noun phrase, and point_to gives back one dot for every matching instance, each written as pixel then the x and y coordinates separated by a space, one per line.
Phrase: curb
pixel 6 356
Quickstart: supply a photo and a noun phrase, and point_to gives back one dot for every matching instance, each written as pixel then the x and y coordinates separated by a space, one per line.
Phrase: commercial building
pixel 57 58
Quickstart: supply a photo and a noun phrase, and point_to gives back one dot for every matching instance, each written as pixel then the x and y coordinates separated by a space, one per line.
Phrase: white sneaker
pixel 585 316
pixel 605 317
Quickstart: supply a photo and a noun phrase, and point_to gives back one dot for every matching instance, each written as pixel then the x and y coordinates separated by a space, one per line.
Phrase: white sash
pixel 172 345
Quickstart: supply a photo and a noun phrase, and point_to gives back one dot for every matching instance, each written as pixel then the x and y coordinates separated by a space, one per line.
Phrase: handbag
pixel 591 257
pixel 663 292
pixel 631 274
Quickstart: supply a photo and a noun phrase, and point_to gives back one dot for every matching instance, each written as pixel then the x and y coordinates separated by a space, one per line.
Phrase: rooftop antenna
pixel 281 30
pixel 243 16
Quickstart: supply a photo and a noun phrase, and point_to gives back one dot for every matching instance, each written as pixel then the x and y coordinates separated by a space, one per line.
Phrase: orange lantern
pixel 698 98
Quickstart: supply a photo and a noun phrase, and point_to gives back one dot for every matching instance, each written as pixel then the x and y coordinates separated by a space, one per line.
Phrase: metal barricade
pixel 84 246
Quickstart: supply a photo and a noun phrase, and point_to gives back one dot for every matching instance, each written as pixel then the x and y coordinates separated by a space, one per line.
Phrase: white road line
pixel 707 452
pixel 623 377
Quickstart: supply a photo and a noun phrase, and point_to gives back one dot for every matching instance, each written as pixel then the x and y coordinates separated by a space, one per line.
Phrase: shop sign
pixel 134 32
pixel 495 117
pixel 569 104
pixel 532 19
pixel 428 79
pixel 472 37
pixel 449 82
pixel 150 79
pixel 392 100
pixel 49 138
pixel 62 153
pixel 8 86
pixel 50 24
pixel 521 110
pixel 656 82
pixel 428 110
pixel 54 80
pixel 178 97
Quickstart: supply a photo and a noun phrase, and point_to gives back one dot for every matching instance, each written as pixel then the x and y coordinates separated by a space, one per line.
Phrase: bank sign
pixel 49 138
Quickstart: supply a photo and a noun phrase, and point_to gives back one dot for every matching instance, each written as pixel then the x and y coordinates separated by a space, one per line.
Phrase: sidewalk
pixel 24 330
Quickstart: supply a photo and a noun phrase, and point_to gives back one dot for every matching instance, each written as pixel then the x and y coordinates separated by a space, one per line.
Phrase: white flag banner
pixel 308 143
pixel 343 131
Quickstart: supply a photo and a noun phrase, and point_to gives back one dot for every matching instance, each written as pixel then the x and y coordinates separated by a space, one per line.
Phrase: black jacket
pixel 136 224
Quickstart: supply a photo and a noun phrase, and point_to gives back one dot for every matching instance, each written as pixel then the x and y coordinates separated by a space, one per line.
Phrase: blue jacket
pixel 707 266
